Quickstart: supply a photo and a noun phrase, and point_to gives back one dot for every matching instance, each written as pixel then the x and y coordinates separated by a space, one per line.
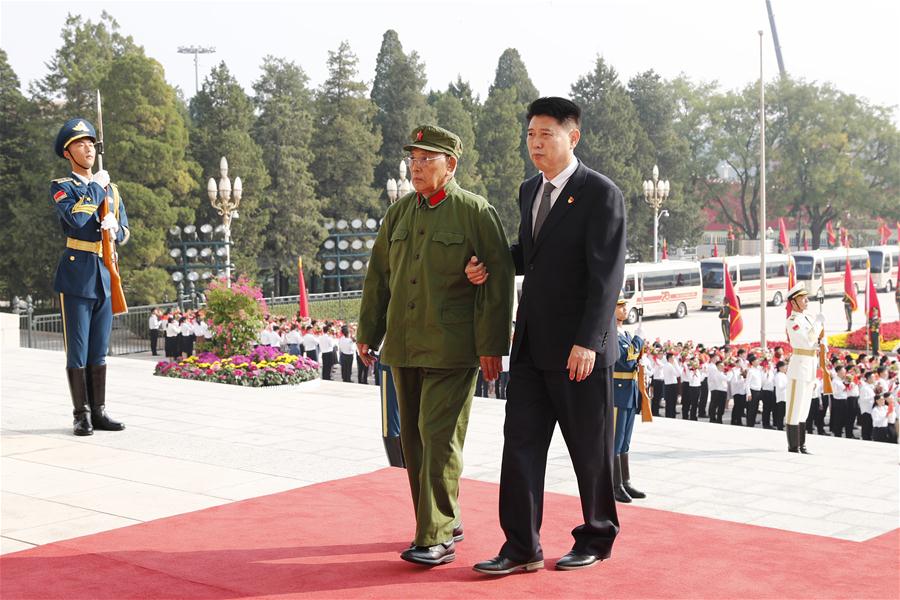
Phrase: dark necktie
pixel 543 209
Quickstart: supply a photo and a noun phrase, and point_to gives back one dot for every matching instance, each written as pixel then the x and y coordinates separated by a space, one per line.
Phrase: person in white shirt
pixel 880 422
pixel 347 351
pixel 780 383
pixel 153 327
pixel 738 386
pixel 173 330
pixel 311 343
pixel 768 393
pixel 671 379
pixel 695 378
pixel 838 401
pixel 754 385
pixel 658 385
pixel 718 391
pixel 866 402
pixel 293 339
pixel 804 335
pixel 327 347
pixel 852 413
pixel 186 338
pixel 704 384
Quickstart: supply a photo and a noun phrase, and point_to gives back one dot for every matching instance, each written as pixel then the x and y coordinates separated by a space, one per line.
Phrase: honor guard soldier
pixel 804 335
pixel 627 402
pixel 435 327
pixel 82 280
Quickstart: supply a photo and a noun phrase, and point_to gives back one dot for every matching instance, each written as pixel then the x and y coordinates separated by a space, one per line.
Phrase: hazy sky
pixel 851 44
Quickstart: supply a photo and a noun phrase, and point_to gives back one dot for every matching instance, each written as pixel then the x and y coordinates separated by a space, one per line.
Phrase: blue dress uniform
pixel 627 402
pixel 83 284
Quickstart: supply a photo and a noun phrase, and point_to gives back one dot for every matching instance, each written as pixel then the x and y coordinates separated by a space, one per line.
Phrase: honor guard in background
pixel 804 336
pixel 627 400
pixel 436 327
pixel 82 280
pixel 725 318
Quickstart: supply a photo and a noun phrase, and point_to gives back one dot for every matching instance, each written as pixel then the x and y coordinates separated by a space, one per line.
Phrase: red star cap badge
pixel 419 136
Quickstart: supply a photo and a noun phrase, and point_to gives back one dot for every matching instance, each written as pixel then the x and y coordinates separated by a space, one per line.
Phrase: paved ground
pixel 191 445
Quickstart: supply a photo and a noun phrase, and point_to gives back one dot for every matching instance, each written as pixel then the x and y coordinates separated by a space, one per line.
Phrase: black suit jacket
pixel 573 271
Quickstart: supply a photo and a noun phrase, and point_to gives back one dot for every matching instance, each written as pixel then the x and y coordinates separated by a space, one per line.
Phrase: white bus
pixel 822 271
pixel 670 287
pixel 883 260
pixel 745 277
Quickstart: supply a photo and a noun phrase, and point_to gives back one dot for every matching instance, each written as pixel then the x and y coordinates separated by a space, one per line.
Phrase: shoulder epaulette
pixel 63 180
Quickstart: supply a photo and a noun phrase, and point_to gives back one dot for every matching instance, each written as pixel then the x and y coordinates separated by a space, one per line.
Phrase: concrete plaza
pixel 191 445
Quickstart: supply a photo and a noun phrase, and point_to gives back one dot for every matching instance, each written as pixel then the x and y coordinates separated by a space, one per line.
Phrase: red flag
pixel 715 248
pixel 872 304
pixel 303 299
pixel 782 235
pixel 665 252
pixel 831 237
pixel 805 243
pixel 792 281
pixel 737 323
pixel 845 237
pixel 849 288
pixel 885 232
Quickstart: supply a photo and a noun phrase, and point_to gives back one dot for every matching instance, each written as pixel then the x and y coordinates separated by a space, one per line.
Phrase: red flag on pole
pixel 303 300
pixel 792 281
pixel 831 237
pixel 715 251
pixel 885 232
pixel 849 288
pixel 805 242
pixel 782 235
pixel 872 304
pixel 665 250
pixel 735 320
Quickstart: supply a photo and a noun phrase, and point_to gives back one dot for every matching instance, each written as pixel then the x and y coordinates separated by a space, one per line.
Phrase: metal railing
pixel 130 332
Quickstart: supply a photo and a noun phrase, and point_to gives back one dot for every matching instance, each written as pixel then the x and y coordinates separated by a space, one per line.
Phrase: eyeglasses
pixel 421 162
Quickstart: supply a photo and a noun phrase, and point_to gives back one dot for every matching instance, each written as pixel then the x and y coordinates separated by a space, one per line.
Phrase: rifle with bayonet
pixel 108 241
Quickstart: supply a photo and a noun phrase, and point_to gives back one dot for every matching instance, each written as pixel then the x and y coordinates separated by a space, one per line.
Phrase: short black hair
pixel 561 109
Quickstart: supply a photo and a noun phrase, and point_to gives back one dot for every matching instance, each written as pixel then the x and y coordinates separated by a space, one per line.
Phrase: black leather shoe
pixel 430 555
pixel 500 565
pixel 575 560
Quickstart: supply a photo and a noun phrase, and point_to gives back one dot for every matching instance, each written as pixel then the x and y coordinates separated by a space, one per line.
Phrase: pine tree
pixel 501 165
pixel 512 75
pixel 397 92
pixel 223 118
pixel 284 132
pixel 452 115
pixel 346 141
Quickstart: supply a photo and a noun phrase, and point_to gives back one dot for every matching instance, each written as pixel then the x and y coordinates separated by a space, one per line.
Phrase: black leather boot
pixel 96 387
pixel 78 390
pixel 618 491
pixel 626 478
pixel 801 443
pixel 394 451
pixel 792 437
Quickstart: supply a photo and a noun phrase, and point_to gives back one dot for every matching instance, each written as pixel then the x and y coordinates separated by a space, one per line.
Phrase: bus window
pixel 877 258
pixel 713 275
pixel 628 288
pixel 804 265
pixel 658 281
pixel 817 273
pixel 749 272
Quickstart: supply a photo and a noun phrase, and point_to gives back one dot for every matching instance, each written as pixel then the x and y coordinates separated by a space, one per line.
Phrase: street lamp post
pixel 196 51
pixel 655 193
pixel 400 187
pixel 226 201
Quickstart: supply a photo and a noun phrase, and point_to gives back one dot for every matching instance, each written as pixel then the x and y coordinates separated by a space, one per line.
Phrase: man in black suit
pixel 571 250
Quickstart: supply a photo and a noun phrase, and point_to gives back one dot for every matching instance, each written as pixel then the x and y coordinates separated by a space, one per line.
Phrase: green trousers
pixel 434 414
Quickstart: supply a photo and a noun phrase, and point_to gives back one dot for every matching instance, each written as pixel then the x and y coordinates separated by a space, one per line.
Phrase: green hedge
pixel 323 309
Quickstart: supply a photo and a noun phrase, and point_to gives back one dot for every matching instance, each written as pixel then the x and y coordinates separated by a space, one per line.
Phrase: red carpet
pixel 342 539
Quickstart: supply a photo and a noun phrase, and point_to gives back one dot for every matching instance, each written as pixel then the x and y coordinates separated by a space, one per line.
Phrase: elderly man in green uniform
pixel 436 327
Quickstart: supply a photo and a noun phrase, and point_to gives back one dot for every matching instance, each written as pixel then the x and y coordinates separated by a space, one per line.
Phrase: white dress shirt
pixel 866 398
pixel 559 182
pixel 326 343
pixel 781 381
pixel 346 345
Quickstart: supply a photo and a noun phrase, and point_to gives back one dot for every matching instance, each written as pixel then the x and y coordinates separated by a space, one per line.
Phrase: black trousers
pixel 346 367
pixel 838 416
pixel 536 401
pixel 881 434
pixel 657 387
pixel 717 405
pixel 768 408
pixel 780 408
pixel 816 416
pixel 737 413
pixel 704 397
pixel 851 412
pixel 752 408
pixel 689 403
pixel 865 422
pixel 154 335
pixel 327 364
pixel 671 395
pixel 362 371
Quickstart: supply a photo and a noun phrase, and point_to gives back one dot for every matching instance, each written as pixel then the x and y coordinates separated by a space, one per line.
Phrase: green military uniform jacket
pixel 416 296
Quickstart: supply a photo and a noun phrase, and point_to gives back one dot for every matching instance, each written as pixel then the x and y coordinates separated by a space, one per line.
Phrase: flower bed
pixel 263 367
pixel 890 338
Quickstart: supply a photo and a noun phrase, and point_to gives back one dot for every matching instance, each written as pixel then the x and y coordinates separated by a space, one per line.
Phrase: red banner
pixel 303 301
pixel 832 238
pixel 792 281
pixel 872 305
pixel 849 288
pixel 735 320
pixel 715 248
pixel 782 235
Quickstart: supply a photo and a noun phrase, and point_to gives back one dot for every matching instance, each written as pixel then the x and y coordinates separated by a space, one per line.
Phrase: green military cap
pixel 435 139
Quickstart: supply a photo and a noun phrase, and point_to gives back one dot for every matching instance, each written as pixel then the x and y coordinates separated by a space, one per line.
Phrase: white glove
pixel 101 178
pixel 639 332
pixel 820 319
pixel 109 222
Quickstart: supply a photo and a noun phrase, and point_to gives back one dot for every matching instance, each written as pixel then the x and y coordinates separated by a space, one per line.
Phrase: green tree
pixel 284 132
pixel 223 118
pixel 30 240
pixel 452 115
pixel 346 141
pixel 613 142
pixel 500 162
pixel 462 91
pixel 397 92
pixel 512 75
pixel 146 140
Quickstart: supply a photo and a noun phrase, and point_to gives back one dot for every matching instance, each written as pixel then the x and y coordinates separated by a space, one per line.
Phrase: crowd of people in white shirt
pixel 753 383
